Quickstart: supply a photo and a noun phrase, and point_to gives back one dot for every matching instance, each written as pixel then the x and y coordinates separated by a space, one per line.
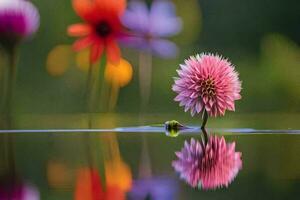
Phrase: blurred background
pixel 261 38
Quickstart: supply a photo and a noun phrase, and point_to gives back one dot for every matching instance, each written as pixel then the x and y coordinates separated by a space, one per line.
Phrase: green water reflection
pixel 50 161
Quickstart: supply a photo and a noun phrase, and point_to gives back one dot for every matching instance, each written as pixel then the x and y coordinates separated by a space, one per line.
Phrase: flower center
pixel 103 29
pixel 208 88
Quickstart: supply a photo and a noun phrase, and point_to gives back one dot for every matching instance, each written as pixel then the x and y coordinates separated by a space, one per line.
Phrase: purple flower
pixel 154 189
pixel 209 167
pixel 18 19
pixel 151 27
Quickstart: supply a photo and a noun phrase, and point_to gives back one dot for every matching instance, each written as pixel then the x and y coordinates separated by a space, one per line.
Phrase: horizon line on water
pixel 160 129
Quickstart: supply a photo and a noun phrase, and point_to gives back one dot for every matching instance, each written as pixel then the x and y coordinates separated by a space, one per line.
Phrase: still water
pixel 135 162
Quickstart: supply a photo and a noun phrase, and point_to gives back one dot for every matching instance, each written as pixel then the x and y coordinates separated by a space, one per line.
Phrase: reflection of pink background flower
pixel 19 192
pixel 209 168
pixel 207 82
pixel 18 18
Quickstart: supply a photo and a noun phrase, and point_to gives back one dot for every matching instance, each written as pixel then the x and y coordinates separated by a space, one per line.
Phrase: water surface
pixel 51 159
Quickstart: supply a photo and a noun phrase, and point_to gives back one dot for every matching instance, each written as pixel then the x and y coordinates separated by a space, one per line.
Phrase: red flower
pixel 101 29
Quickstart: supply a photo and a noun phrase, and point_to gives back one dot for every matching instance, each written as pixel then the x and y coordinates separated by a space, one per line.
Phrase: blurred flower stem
pixel 102 98
pixel 9 82
pixel 145 77
pixel 89 85
pixel 114 93
pixel 88 94
pixel 95 83
pixel 94 78
pixel 110 145
pixel 145 169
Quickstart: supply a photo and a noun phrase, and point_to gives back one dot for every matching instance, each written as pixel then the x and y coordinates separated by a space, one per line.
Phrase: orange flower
pixel 120 74
pixel 118 174
pixel 101 29
pixel 88 187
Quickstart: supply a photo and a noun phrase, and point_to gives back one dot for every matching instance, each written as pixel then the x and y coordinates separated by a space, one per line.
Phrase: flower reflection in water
pixel 89 185
pixel 210 165
pixel 118 174
pixel 18 191
pixel 118 178
pixel 159 188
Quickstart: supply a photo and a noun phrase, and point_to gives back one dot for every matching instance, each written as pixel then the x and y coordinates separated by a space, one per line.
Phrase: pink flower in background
pixel 209 167
pixel 18 19
pixel 207 82
pixel 151 27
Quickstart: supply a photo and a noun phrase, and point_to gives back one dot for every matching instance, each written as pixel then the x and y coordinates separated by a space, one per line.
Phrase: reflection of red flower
pixel 89 187
pixel 101 29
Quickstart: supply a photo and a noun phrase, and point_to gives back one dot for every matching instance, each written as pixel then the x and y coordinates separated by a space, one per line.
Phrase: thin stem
pixel 11 75
pixel 204 121
pixel 145 170
pixel 102 87
pixel 11 155
pixel 87 143
pixel 205 135
pixel 145 76
pixel 2 79
pixel 110 147
pixel 88 91
pixel 114 93
pixel 88 97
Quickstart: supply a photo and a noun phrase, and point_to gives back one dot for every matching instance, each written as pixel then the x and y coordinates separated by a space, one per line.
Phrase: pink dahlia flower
pixel 18 19
pixel 207 82
pixel 211 167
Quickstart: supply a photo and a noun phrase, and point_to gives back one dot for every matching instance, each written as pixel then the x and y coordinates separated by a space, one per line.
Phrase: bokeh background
pixel 261 38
